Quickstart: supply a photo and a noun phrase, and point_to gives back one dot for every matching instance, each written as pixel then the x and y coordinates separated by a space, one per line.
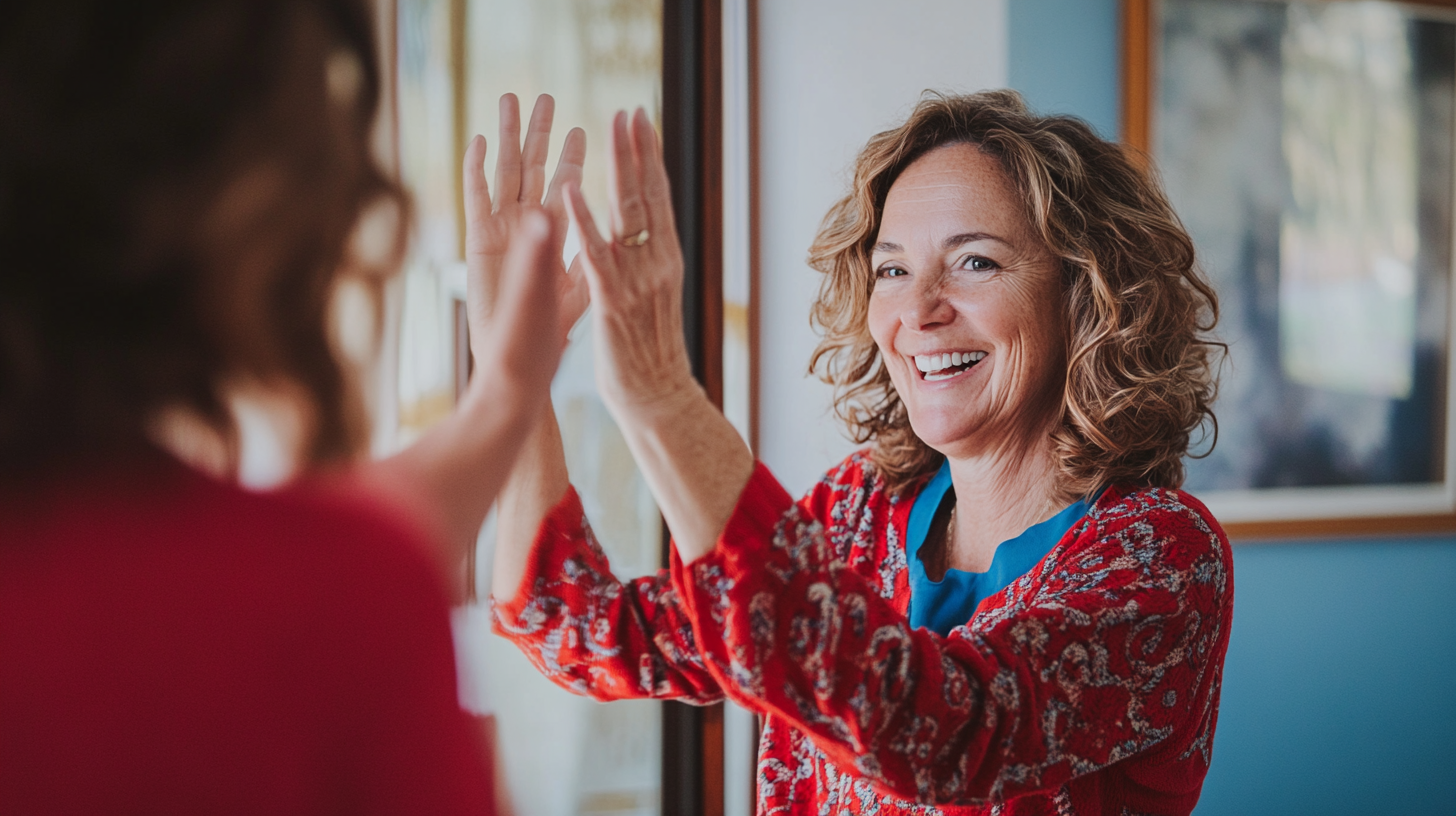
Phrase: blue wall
pixel 1340 686
pixel 1064 58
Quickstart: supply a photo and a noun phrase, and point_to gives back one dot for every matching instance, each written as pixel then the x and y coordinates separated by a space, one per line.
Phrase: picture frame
pixel 1327 229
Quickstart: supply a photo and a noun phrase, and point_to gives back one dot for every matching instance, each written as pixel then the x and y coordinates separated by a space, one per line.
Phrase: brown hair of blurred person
pixel 176 216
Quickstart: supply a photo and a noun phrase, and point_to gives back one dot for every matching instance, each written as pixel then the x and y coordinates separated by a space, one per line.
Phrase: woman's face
pixel 967 307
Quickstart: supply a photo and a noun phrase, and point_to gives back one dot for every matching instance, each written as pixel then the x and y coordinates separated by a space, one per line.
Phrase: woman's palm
pixel 492 222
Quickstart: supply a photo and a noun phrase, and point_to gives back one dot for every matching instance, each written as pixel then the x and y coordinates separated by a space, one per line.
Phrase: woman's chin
pixel 946 434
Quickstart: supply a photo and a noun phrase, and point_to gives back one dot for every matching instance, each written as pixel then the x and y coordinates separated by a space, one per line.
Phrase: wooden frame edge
pixel 692 743
pixel 1137 75
pixel 754 265
pixel 1333 528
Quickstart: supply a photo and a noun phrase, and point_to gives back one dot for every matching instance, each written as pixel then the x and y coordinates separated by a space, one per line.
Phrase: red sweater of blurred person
pixel 173 644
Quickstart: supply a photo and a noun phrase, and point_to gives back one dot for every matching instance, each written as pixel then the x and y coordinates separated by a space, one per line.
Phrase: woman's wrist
pixel 501 386
pixel 651 405
pixel 695 462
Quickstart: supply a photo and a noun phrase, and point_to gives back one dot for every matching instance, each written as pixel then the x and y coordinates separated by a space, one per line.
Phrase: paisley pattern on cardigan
pixel 594 635
pixel 1088 686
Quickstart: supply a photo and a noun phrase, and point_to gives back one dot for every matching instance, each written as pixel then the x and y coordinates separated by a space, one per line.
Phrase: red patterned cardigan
pixel 1089 686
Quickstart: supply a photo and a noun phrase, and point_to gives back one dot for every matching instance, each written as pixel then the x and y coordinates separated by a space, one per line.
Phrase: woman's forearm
pixel 694 461
pixel 454 472
pixel 585 629
pixel 458 467
pixel 537 483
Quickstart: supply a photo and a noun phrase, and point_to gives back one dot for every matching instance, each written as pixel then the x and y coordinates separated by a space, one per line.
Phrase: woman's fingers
pixel 575 295
pixel 629 215
pixel 655 188
pixel 568 171
pixel 508 159
pixel 596 252
pixel 477 195
pixel 538 143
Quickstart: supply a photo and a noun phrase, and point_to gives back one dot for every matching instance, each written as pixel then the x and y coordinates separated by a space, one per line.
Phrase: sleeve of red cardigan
pixel 593 634
pixel 1110 656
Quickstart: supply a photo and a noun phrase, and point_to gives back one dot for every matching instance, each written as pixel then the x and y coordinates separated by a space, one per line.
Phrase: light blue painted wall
pixel 1340 687
pixel 1063 58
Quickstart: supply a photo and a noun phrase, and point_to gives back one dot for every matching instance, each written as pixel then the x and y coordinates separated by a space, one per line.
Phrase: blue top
pixel 941 606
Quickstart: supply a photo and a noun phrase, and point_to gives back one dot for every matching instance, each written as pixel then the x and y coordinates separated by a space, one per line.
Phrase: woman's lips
pixel 945 365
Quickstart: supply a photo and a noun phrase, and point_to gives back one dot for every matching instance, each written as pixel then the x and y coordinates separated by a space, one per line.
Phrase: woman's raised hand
pixel 636 277
pixel 692 458
pixel 491 222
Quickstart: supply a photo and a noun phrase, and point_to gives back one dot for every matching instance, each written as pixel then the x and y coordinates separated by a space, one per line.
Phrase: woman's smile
pixel 946 365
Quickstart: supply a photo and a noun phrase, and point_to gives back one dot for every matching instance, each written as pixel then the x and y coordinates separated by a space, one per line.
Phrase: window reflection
pixel 426 386
pixel 1308 147
pixel 1347 281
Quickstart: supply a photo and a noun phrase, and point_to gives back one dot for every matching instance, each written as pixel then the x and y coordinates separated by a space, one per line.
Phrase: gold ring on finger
pixel 634 240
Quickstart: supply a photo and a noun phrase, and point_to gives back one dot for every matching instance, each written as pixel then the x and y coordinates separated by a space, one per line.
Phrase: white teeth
pixel 930 363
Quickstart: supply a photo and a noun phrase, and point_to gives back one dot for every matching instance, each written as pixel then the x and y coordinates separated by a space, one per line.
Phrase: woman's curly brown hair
pixel 1139 376
pixel 179 184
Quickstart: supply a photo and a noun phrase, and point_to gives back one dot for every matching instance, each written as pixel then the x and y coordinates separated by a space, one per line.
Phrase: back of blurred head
pixel 180 181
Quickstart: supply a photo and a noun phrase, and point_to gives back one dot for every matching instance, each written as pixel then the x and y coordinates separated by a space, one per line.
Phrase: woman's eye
pixel 890 272
pixel 977 263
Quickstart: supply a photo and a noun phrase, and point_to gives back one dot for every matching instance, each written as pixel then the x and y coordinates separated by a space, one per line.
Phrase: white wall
pixel 832 73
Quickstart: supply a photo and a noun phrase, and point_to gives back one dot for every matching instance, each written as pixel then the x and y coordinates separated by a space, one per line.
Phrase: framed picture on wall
pixel 1308 148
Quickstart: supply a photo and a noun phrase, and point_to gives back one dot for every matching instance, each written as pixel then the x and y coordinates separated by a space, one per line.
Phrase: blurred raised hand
pixel 521 302
pixel 493 218
pixel 453 473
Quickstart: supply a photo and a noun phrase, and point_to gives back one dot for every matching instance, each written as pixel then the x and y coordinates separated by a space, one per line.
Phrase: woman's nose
pixel 928 306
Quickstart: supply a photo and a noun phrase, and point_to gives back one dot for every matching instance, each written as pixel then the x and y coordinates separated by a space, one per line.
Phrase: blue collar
pixel 950 602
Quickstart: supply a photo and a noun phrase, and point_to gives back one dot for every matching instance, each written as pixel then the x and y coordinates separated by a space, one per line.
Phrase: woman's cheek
pixel 881 326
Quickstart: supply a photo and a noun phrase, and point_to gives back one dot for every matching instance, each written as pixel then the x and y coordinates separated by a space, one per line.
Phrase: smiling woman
pixel 1004 604
pixel 1131 305
pixel 966 312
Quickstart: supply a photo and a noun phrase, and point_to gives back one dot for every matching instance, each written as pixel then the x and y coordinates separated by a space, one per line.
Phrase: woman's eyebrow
pixel 950 243
pixel 969 237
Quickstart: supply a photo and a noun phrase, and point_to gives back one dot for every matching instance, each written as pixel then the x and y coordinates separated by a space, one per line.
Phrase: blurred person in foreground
pixel 1003 604
pixel 182 189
